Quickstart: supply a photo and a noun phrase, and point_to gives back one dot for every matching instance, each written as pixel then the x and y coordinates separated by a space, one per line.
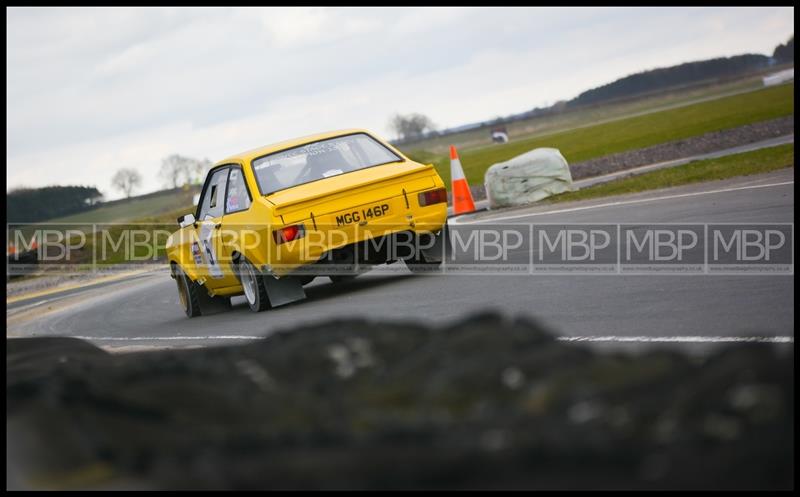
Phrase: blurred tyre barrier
pixel 527 178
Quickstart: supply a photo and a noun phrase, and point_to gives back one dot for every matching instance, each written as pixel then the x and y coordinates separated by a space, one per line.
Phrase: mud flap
pixel 212 305
pixel 440 249
pixel 284 290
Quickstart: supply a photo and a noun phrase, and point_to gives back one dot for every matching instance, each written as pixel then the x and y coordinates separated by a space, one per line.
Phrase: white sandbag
pixel 527 178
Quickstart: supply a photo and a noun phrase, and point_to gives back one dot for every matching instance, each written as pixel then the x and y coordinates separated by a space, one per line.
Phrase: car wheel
pixel 188 292
pixel 253 284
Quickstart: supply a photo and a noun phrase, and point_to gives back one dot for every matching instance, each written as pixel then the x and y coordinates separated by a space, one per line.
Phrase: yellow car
pixel 334 204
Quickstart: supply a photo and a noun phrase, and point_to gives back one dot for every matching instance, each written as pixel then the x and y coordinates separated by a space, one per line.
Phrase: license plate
pixel 362 216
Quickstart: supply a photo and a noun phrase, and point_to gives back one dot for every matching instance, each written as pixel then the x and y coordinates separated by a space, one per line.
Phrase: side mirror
pixel 186 220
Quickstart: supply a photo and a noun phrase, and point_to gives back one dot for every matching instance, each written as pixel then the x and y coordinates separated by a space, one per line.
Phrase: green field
pixel 592 114
pixel 631 133
pixel 163 207
pixel 744 164
pixel 136 208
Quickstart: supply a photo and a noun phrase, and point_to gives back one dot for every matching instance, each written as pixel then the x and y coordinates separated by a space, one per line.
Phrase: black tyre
pixel 188 292
pixel 254 290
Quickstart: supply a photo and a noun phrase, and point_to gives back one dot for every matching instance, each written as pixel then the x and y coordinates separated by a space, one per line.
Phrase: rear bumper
pixel 325 239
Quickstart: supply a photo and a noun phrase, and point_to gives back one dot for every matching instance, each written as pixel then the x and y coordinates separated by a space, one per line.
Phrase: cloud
pixel 92 90
pixel 290 27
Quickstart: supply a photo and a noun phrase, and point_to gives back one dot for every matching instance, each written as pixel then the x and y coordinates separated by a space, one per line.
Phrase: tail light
pixel 431 197
pixel 289 233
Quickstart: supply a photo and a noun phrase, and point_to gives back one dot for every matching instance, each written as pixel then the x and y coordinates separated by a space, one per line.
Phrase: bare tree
pixel 411 126
pixel 175 170
pixel 199 168
pixel 126 180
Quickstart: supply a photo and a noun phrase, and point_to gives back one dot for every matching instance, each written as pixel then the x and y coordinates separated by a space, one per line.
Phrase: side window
pixel 238 198
pixel 212 202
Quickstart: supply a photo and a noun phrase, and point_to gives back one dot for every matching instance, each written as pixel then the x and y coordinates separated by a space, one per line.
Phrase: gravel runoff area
pixel 43 281
pixel 709 142
pixel 38 283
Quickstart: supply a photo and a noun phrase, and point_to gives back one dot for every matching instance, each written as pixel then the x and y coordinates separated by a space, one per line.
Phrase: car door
pixel 236 222
pixel 215 270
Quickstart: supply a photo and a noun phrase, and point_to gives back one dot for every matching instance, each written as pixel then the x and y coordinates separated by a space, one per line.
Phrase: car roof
pixel 245 157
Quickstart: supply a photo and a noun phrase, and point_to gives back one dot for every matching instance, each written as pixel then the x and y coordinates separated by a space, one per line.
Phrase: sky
pixel 93 90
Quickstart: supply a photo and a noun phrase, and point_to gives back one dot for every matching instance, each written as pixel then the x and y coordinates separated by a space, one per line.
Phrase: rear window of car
pixel 319 160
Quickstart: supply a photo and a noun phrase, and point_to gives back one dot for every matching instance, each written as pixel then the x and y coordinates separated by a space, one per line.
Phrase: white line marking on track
pixel 642 339
pixel 678 339
pixel 621 202
pixel 22 308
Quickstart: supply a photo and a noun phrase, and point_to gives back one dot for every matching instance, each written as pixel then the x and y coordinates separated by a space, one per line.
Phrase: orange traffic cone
pixel 462 196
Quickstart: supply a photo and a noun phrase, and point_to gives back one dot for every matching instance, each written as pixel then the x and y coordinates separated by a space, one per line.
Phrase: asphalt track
pixel 688 309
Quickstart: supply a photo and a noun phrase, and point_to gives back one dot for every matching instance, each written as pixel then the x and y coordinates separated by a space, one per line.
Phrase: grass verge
pixel 594 114
pixel 133 209
pixel 744 164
